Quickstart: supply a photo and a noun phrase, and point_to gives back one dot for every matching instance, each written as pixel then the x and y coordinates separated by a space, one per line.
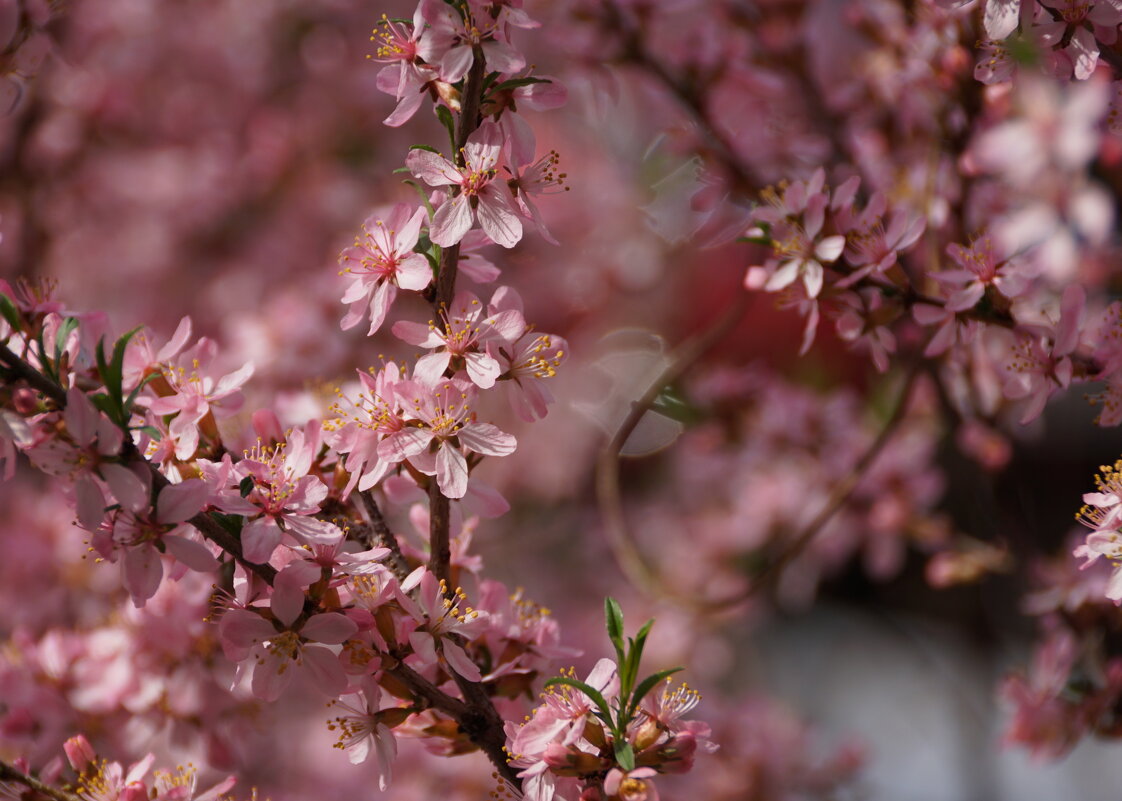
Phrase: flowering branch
pixel 9 773
pixel 439 506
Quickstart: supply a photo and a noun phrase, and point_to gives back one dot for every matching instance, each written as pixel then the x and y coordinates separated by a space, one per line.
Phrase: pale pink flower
pixel 1000 17
pixel 480 198
pixel 282 499
pixel 363 730
pixel 450 38
pixel 182 784
pixel 981 267
pixel 458 343
pixel 995 63
pixel 275 650
pixel 380 262
pixel 440 619
pixel 196 396
pixel 1074 36
pixel 360 424
pixel 527 360
pixel 633 785
pixel 443 418
pixel 1041 357
pixel 137 535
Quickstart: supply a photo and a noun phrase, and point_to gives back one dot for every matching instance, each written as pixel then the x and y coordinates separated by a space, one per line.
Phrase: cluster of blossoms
pixel 958 229
pixel 608 736
pixel 101 780
pixel 313 586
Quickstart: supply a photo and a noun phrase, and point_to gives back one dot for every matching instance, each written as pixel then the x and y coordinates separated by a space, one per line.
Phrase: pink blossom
pixel 450 39
pixel 441 621
pixel 282 499
pixel 442 417
pixel 1041 357
pixel 382 261
pixel 362 423
pixel 195 396
pixel 276 649
pixel 137 534
pixel 459 341
pixel 480 198
pixel 363 730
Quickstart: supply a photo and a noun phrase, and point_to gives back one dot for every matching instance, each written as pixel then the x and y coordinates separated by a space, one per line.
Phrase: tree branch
pixel 9 773
pixel 384 537
pixel 440 553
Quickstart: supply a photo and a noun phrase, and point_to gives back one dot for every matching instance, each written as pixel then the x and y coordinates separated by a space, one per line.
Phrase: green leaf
pixel 614 617
pixel 670 404
pixel 136 391
pixel 445 117
pixel 597 698
pixel 151 431
pixel 10 312
pixel 103 402
pixel 429 148
pixel 514 83
pixel 246 486
pixel 489 79
pixel 64 330
pixel 424 195
pixel 112 372
pixel 756 240
pixel 646 685
pixel 401 169
pixel 625 755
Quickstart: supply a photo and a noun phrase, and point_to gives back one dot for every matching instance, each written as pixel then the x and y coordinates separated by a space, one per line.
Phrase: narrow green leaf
pixel 424 195
pixel 591 692
pixel 401 169
pixel 151 431
pixel 66 327
pixel 136 391
pixel 10 312
pixel 429 148
pixel 445 117
pixel 646 685
pixel 489 79
pixel 625 755
pixel 246 486
pixel 514 83
pixel 613 614
pixel 104 403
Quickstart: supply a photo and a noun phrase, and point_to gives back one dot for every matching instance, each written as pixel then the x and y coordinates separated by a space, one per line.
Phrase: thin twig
pixel 626 552
pixel 839 495
pixel 384 537
pixel 9 773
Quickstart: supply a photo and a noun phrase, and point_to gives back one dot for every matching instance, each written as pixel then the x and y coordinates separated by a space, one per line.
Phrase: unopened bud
pixel 79 752
pixel 647 735
pixel 134 791
pixel 25 401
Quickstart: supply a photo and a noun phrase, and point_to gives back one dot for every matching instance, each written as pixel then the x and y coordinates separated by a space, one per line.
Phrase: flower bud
pixel 25 401
pixel 79 752
pixel 134 791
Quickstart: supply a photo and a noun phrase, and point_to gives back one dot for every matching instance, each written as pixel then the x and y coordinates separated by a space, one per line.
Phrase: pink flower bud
pixel 79 752
pixel 25 401
pixel 134 791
